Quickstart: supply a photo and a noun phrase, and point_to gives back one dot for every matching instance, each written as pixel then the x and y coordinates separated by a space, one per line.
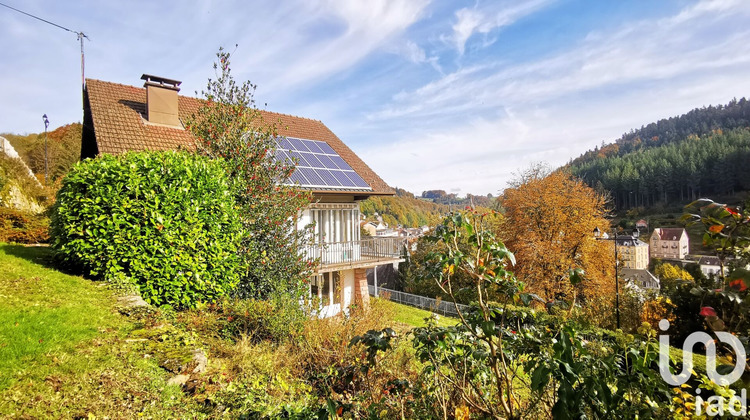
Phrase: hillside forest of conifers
pixel 703 153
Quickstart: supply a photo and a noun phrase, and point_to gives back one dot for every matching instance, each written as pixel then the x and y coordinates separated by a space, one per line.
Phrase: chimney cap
pixel 162 82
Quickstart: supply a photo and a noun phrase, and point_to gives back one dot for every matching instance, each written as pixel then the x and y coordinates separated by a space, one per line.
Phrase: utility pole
pixel 46 124
pixel 617 284
pixel 81 37
pixel 599 237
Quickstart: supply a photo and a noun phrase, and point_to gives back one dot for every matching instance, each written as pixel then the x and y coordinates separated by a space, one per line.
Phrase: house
pixel 710 265
pixel 120 118
pixel 633 252
pixel 370 227
pixel 669 243
pixel 641 278
pixel 641 225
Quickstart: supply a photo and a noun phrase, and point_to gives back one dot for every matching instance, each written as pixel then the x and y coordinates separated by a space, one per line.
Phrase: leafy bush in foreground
pixel 165 222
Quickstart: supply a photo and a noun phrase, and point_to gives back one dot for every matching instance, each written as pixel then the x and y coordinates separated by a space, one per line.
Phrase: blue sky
pixel 431 94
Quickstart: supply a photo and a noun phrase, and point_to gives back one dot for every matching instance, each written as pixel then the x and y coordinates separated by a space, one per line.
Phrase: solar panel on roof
pixel 298 178
pixel 312 176
pixel 318 165
pixel 284 143
pixel 312 146
pixel 280 155
pixel 358 181
pixel 312 160
pixel 340 163
pixel 326 148
pixel 298 145
pixel 342 179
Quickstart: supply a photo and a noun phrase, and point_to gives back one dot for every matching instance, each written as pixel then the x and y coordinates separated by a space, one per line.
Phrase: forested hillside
pixel 404 209
pixel 702 153
pixel 63 150
pixel 441 197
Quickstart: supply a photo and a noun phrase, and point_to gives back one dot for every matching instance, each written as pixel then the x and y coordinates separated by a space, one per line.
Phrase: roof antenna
pixel 80 35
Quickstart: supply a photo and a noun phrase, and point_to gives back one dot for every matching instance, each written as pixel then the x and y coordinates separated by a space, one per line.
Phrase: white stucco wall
pixel 347 287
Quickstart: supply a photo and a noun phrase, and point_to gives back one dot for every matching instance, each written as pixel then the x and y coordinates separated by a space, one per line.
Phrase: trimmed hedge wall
pixel 164 221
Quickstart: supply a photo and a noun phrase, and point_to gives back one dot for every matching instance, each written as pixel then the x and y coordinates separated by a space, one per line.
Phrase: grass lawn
pixel 415 317
pixel 44 312
pixel 68 350
pixel 63 347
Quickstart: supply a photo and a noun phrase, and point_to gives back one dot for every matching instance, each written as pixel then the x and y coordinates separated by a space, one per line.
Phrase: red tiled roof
pixel 116 112
pixel 669 234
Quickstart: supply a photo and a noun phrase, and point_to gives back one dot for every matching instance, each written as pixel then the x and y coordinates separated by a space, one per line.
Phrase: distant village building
pixel 370 228
pixel 710 266
pixel 387 232
pixel 633 251
pixel 670 243
pixel 641 278
pixel 641 225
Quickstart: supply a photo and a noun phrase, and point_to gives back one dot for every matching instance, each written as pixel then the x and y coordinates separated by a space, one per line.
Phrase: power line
pixel 38 18
pixel 80 35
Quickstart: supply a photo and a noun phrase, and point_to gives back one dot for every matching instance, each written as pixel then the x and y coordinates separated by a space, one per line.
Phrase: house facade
pixel 633 252
pixel 710 266
pixel 120 118
pixel 669 243
pixel 641 278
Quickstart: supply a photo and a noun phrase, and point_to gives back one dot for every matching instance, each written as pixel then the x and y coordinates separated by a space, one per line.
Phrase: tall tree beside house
pixel 549 223
pixel 230 127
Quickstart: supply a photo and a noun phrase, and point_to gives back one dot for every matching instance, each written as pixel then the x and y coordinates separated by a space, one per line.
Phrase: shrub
pixel 21 227
pixel 233 319
pixel 328 368
pixel 165 222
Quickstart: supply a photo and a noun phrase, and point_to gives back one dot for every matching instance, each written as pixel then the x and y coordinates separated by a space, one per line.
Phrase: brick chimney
pixel 161 100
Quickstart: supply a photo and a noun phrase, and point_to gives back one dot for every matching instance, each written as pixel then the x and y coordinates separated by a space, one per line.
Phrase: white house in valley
pixel 710 265
pixel 669 243
pixel 120 118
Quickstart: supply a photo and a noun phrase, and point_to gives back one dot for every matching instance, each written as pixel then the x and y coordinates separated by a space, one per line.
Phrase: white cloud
pixel 414 53
pixel 302 55
pixel 488 18
pixel 283 46
pixel 466 136
pixel 467 21
pixel 645 51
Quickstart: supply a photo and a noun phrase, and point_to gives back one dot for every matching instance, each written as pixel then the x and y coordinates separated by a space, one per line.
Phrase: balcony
pixel 355 254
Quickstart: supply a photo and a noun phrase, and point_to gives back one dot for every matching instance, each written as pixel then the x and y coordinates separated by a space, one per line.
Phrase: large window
pixel 337 223
pixel 326 287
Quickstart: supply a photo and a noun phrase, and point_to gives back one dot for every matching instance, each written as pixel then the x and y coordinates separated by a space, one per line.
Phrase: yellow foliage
pixel 669 274
pixel 656 309
pixel 549 223
pixel 462 413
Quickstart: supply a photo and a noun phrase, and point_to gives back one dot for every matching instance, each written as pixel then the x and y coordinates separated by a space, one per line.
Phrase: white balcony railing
pixel 371 249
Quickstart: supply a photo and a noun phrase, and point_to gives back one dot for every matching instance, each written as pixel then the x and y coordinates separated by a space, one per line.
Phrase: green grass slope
pixel 63 348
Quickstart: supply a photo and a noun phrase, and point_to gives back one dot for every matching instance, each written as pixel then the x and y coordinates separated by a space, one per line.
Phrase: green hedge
pixel 166 222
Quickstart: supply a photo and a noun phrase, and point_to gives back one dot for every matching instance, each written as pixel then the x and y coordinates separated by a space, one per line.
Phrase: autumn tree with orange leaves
pixel 549 223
